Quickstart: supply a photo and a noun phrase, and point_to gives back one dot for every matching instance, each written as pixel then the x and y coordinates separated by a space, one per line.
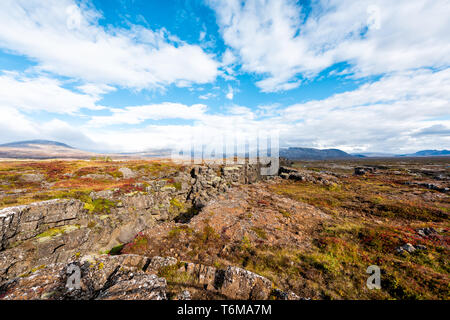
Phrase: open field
pixel 23 182
pixel 314 235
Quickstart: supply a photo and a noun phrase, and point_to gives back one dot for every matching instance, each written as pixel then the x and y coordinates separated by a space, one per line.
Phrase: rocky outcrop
pixel 135 277
pixel 409 248
pixel 430 186
pixel 305 175
pixel 208 181
pixel 32 177
pixel 242 284
pixel 55 231
pixel 22 223
pixel 100 278
pixel 359 171
pixel 41 243
pixel 97 176
pixel 282 295
pixel 127 173
pixel 231 282
pixel 425 232
pixel 286 162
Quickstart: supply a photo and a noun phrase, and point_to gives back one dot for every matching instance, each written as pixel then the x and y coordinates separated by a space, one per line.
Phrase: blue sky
pixel 132 75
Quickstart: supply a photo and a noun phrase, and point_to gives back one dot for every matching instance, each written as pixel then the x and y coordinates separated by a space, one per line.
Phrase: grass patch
pixel 173 276
pixel 176 185
pixel 138 245
pixel 117 250
pixel 372 197
pixel 174 202
pixel 99 206
pixel 175 232
pixel 285 213
pixel 260 232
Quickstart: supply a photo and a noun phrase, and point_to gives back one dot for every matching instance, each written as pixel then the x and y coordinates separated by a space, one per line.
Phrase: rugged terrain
pixel 159 230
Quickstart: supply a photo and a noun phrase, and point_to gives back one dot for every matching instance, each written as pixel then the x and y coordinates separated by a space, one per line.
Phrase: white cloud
pixel 241 111
pixel 94 89
pixel 436 129
pixel 270 110
pixel 62 131
pixel 138 114
pixel 229 61
pixel 14 126
pixel 207 96
pixel 277 40
pixel 399 113
pixel 230 93
pixel 228 58
pixel 42 93
pixel 418 95
pixel 67 40
pixel 405 111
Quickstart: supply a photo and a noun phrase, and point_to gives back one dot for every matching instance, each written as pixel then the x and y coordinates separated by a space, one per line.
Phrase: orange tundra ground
pixel 315 239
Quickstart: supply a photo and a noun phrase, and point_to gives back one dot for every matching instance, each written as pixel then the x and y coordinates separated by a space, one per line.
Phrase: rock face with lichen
pixel 101 278
pixel 56 231
pixel 42 244
pixel 134 277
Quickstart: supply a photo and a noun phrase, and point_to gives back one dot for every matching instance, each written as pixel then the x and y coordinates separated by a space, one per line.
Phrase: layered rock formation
pixel 39 240
pixel 133 277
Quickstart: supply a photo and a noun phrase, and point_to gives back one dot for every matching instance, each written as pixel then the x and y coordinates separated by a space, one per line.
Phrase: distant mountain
pixel 422 153
pixel 33 143
pixel 41 149
pixel 427 153
pixel 373 155
pixel 46 149
pixel 313 154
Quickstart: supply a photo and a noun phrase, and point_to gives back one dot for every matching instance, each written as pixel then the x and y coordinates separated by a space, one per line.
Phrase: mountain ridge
pixel 41 149
pixel 27 143
pixel 48 149
pixel 299 153
pixel 427 153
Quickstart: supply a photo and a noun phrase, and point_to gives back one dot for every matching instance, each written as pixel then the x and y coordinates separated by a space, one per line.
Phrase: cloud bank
pixel 286 42
pixel 396 53
pixel 67 39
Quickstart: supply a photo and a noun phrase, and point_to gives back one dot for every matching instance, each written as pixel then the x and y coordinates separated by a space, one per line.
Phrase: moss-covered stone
pixel 55 232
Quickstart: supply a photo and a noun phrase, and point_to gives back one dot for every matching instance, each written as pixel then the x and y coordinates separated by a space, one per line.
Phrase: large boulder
pixel 25 222
pixel 97 176
pixel 242 284
pixel 32 177
pixel 127 173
